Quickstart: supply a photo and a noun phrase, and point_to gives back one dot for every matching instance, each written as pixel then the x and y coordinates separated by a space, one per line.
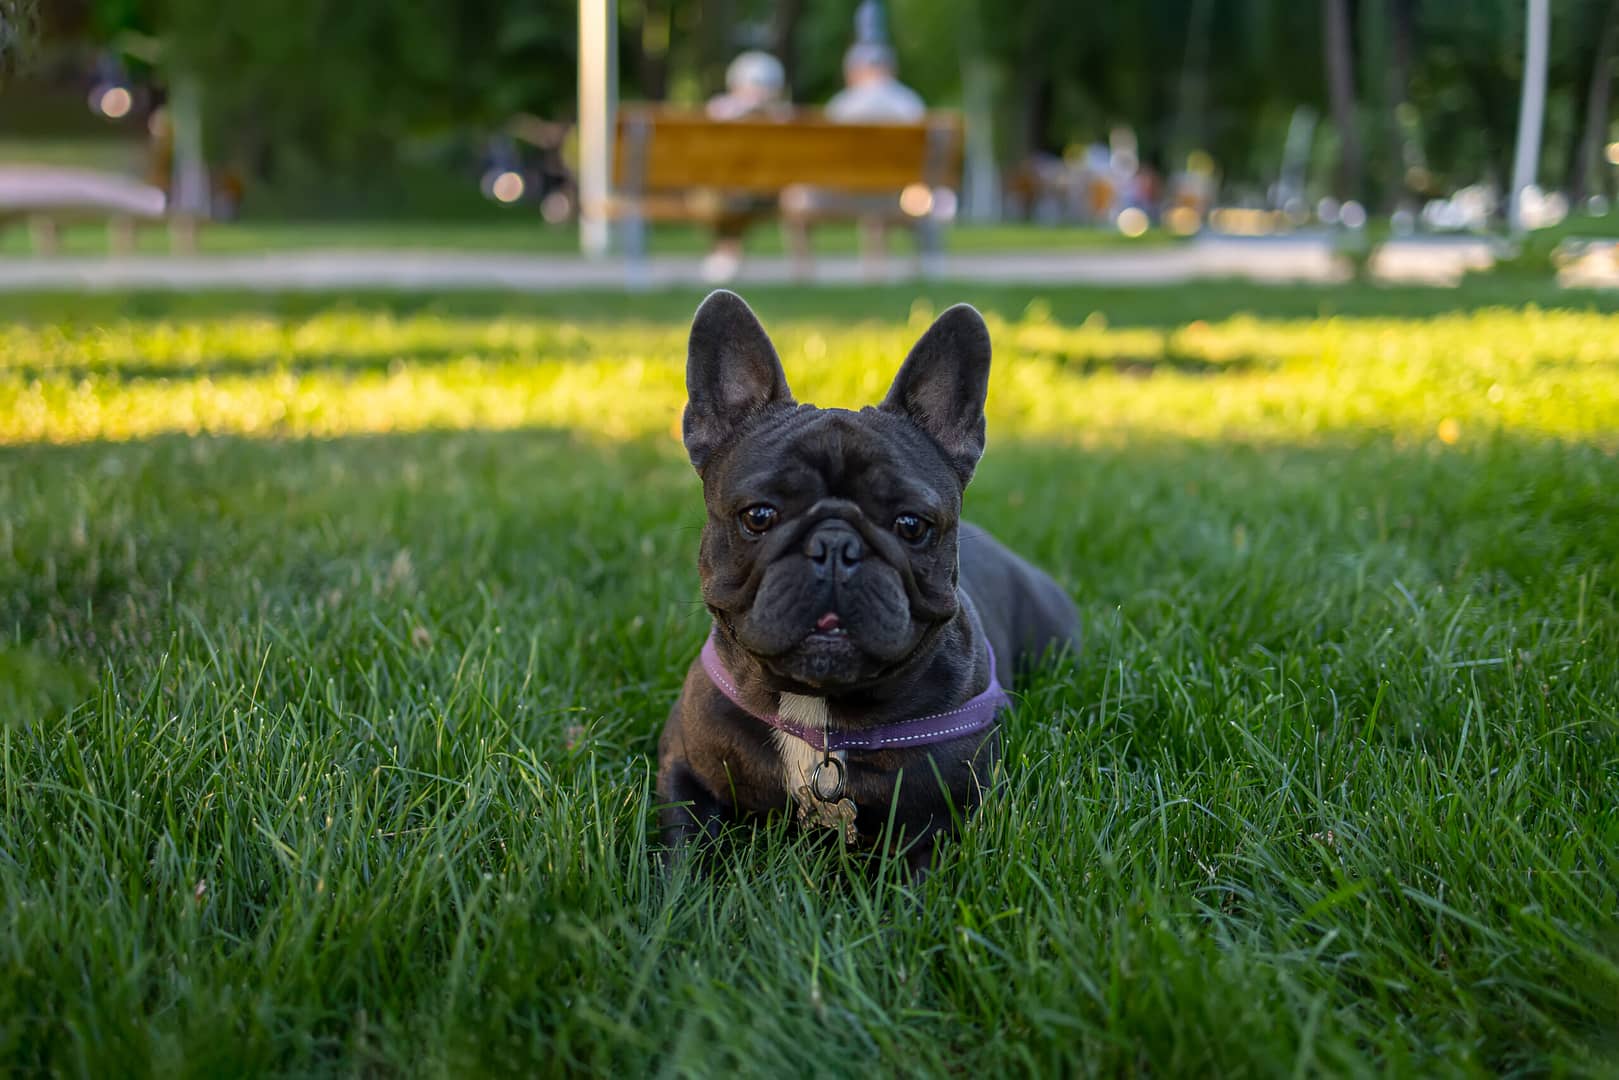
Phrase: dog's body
pixel 830 563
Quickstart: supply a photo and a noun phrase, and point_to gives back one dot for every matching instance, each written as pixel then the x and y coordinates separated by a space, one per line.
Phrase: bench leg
pixel 873 248
pixel 929 249
pixel 45 235
pixel 795 237
pixel 183 235
pixel 637 275
pixel 121 235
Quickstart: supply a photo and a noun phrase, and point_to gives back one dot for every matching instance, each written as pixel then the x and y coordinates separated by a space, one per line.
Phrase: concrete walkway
pixel 1304 259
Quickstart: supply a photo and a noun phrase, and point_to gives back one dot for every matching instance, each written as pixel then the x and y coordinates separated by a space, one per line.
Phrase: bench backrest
pixel 662 149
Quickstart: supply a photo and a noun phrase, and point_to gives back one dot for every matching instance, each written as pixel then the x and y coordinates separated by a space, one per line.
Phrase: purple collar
pixel 974 716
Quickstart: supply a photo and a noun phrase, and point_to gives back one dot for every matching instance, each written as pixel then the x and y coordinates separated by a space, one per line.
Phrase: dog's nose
pixel 835 550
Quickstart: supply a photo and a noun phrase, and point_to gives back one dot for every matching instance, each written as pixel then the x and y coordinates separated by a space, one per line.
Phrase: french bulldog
pixel 851 605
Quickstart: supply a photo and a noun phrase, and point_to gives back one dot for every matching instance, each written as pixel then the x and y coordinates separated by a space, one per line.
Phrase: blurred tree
pixel 1340 68
pixel 648 27
pixel 1404 153
pixel 783 34
pixel 1594 122
pixel 17 19
pixel 1191 105
pixel 342 85
pixel 1420 92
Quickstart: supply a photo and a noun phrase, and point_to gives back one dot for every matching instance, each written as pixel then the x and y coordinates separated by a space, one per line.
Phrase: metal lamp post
pixel 598 82
pixel 1531 110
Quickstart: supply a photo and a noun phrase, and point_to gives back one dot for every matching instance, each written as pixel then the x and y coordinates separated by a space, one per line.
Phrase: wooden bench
pixel 49 196
pixel 675 165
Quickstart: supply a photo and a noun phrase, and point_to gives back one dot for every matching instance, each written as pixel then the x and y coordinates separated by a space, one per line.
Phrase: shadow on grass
pixel 109 544
pixel 353 359
pixel 361 361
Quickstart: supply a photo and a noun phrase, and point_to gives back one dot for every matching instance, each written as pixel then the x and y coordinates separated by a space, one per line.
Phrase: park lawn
pixel 335 635
pixel 521 231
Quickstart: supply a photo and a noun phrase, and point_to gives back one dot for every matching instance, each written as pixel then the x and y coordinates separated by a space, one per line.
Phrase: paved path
pixel 1272 259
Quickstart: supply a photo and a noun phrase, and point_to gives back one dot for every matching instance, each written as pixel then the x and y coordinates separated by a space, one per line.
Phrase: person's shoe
pixel 720 267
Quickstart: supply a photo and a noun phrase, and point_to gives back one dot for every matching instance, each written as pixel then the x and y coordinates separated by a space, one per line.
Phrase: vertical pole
pixel 1531 109
pixel 1341 93
pixel 1291 185
pixel 190 180
pixel 190 189
pixel 598 55
pixel 982 180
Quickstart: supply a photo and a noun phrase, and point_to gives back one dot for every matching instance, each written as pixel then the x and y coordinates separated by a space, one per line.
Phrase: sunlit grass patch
pixel 1544 372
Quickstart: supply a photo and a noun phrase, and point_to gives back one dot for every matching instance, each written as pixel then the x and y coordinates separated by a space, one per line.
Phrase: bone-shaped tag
pixel 838 815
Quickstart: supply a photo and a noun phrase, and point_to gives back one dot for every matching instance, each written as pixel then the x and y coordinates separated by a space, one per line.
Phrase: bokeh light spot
pixel 916 200
pixel 115 102
pixel 507 188
pixel 1182 220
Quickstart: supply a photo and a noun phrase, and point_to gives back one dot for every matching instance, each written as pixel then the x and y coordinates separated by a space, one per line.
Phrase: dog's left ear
pixel 943 383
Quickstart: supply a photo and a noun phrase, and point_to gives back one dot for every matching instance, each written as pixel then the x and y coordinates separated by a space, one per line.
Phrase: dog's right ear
pixel 732 375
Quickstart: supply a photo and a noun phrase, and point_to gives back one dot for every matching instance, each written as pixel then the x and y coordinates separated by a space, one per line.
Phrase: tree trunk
pixel 1341 91
pixel 716 49
pixel 1597 97
pixel 650 46
pixel 20 31
pixel 783 33
pixel 1190 128
pixel 1038 95
pixel 1401 18
pixel 652 50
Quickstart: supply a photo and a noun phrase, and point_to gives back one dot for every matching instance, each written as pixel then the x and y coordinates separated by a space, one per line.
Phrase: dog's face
pixel 829 552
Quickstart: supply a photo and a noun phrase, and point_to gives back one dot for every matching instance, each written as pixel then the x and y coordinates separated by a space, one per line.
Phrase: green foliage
pixel 339 745
pixel 290 83
pixel 17 29
pixel 340 87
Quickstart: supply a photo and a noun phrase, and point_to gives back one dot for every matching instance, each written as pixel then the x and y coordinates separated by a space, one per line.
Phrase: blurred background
pixel 545 126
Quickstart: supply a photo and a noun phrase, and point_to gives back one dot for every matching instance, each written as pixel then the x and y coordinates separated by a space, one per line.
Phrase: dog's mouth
pixel 832 651
pixel 826 657
pixel 828 628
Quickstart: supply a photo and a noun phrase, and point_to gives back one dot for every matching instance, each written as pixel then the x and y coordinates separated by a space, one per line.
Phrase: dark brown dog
pixel 842 613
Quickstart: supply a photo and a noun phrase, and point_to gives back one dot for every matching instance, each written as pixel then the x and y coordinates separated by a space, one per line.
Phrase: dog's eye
pixel 912 529
pixel 756 519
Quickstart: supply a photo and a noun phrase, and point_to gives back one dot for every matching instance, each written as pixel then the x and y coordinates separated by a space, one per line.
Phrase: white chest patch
pixel 799 758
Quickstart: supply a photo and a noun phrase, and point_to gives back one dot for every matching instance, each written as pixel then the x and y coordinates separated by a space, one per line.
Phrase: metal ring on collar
pixel 818 776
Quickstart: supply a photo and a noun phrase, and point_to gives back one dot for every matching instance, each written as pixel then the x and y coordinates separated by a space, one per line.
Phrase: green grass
pixel 431 208
pixel 521 231
pixel 671 308
pixel 121 155
pixel 335 635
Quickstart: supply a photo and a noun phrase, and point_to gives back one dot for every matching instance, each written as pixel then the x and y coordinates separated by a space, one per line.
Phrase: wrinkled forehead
pixel 836 453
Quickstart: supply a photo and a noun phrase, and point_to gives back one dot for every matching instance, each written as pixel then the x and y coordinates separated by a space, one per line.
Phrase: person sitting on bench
pixel 755 85
pixel 872 92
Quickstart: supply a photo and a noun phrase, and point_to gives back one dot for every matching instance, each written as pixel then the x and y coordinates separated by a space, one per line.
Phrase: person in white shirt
pixel 872 93
pixel 754 83
pixel 755 89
